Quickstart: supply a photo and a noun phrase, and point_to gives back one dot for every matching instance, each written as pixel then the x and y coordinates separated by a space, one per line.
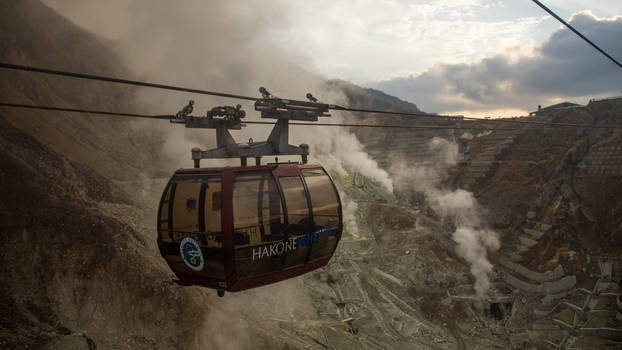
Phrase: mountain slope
pixel 358 97
pixel 80 268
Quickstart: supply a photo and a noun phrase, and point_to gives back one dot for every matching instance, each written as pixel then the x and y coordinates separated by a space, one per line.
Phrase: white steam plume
pixel 471 235
pixel 340 151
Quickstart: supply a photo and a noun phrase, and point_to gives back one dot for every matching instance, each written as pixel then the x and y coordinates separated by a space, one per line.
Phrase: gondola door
pixel 190 234
pixel 258 222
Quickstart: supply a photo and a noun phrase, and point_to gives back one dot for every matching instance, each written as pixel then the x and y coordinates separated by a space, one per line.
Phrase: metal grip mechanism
pixel 220 118
pixel 225 118
pixel 227 112
pixel 273 107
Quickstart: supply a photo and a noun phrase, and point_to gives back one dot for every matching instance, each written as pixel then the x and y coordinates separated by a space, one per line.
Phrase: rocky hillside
pixel 358 97
pixel 553 194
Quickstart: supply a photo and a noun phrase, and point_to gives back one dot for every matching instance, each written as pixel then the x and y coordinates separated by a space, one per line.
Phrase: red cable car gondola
pixel 236 228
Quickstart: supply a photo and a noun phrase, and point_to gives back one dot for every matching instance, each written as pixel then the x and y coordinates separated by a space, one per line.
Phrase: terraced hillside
pixel 545 190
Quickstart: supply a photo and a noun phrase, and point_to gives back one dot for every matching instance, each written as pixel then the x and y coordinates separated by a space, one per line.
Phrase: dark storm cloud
pixel 563 67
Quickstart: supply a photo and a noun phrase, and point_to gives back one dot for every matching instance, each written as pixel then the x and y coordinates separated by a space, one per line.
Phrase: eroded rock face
pixel 558 216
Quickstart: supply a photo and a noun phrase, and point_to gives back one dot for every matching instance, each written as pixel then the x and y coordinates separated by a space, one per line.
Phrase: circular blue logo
pixel 191 254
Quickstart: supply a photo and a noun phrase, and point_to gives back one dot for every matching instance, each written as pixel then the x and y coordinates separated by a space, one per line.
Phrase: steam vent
pixel 473 234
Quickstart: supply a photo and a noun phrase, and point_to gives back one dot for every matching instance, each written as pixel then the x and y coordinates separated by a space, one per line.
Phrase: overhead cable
pixel 122 81
pixel 458 119
pixel 234 96
pixel 179 88
pixel 169 117
pixel 86 111
pixel 432 127
pixel 576 32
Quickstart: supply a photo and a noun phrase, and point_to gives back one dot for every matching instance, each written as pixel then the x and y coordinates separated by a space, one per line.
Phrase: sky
pixel 369 40
pixel 468 57
pixel 471 57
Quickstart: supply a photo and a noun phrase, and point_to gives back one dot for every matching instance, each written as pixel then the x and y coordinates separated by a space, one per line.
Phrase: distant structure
pixel 612 98
pixel 553 108
pixel 453 118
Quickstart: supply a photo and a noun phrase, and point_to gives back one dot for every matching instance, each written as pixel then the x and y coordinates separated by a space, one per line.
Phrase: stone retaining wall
pixel 605 160
pixel 547 276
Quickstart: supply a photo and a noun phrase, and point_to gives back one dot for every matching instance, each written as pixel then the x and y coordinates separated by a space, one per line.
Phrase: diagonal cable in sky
pixel 576 32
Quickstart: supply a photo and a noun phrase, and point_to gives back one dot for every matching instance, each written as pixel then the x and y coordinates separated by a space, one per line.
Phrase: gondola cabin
pixel 236 228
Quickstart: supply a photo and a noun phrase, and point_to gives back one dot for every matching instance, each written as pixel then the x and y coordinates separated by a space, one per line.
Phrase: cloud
pixel 367 40
pixel 564 67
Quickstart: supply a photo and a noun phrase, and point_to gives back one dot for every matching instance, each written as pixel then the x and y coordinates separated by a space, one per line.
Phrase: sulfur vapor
pixel 457 207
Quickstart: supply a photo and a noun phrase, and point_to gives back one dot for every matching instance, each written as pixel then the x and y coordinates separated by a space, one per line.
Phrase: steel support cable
pixel 463 118
pixel 170 116
pixel 576 32
pixel 178 88
pixel 413 114
pixel 221 94
pixel 87 111
pixel 122 81
pixel 444 127
pixel 432 127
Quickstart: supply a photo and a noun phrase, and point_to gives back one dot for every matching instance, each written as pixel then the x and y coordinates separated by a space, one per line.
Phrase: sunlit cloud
pixel 564 67
pixel 381 39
